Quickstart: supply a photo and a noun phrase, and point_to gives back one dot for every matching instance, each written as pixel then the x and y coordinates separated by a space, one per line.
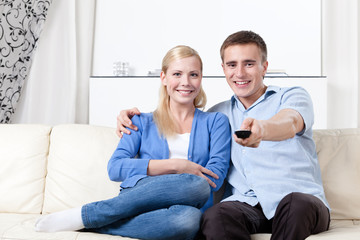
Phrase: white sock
pixel 68 220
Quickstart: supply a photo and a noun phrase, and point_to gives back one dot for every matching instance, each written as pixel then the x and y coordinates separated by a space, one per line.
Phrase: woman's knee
pixel 198 184
pixel 194 187
pixel 184 222
pixel 177 189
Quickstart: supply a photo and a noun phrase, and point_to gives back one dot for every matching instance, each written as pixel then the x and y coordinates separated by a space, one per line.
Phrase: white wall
pixel 141 31
pixel 145 39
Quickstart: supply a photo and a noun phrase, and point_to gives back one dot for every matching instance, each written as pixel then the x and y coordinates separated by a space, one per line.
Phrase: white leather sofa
pixel 45 169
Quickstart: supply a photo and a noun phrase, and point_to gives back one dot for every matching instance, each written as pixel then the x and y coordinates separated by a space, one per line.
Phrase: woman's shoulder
pixel 212 123
pixel 143 119
pixel 213 116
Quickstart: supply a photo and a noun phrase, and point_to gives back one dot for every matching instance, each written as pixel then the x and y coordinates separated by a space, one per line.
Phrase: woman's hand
pixel 178 166
pixel 123 121
pixel 186 166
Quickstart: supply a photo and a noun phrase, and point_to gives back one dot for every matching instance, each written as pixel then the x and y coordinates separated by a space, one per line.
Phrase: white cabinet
pixel 109 95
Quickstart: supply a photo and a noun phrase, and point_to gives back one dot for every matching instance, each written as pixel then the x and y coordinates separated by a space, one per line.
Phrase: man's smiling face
pixel 244 72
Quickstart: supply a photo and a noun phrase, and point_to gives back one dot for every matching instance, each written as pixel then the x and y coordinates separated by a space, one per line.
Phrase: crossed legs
pixel 173 200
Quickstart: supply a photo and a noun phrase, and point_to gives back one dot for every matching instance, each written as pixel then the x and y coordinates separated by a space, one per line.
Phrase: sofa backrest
pixel 77 166
pixel 339 157
pixel 23 154
pixel 73 159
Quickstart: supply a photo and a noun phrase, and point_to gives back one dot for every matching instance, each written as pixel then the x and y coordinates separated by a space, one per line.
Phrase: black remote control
pixel 243 133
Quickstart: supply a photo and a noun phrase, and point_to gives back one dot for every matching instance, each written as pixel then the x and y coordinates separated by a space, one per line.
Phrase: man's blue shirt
pixel 268 173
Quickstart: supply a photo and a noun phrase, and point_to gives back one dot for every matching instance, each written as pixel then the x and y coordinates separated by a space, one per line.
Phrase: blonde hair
pixel 162 115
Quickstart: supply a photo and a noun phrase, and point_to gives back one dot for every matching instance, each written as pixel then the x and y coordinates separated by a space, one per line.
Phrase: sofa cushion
pixel 23 153
pixel 338 230
pixel 77 166
pixel 339 157
pixel 21 227
pixel 9 221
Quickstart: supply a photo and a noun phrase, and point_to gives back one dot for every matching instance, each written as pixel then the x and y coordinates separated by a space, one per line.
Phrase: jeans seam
pixel 85 217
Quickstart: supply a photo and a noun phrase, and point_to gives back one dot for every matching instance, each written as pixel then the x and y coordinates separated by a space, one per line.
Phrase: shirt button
pixel 243 151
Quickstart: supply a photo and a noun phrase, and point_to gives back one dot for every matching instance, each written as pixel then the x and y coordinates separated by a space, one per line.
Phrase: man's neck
pixel 249 101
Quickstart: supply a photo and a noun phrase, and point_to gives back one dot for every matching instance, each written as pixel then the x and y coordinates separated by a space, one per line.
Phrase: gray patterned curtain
pixel 21 22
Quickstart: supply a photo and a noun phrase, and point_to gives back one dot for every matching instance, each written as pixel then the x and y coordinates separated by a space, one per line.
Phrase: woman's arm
pixel 220 149
pixel 178 166
pixel 123 163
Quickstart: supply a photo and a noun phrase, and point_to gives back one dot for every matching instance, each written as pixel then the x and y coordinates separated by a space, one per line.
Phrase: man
pixel 274 179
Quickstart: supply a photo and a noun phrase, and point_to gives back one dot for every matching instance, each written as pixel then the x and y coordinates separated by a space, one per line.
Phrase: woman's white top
pixel 179 145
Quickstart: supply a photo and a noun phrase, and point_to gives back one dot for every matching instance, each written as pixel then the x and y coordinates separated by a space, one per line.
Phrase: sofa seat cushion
pixel 10 220
pixel 339 229
pixel 21 227
pixel 23 152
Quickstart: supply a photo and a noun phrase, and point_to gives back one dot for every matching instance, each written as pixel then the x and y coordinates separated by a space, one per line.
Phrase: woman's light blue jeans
pixel 158 207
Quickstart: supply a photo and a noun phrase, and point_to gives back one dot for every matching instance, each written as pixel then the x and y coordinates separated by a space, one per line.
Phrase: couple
pixel 274 183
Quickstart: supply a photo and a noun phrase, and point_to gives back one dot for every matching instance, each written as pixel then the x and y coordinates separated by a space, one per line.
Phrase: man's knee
pixel 211 221
pixel 299 203
pixel 210 215
pixel 216 213
pixel 225 220
pixel 302 213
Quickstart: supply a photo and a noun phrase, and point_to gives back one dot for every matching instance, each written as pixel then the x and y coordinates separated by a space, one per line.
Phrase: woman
pixel 168 168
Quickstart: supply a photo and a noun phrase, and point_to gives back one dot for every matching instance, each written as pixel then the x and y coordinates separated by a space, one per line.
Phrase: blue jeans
pixel 158 207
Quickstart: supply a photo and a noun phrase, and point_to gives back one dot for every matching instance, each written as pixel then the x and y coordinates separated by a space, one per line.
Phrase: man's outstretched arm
pixel 283 125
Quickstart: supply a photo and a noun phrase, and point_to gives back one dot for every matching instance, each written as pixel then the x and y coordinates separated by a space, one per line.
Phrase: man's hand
pixel 283 125
pixel 257 133
pixel 123 121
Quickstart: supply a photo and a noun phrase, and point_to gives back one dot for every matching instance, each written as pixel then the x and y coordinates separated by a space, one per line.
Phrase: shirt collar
pixel 269 91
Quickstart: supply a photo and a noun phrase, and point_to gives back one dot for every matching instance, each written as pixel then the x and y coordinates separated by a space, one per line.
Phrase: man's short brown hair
pixel 245 37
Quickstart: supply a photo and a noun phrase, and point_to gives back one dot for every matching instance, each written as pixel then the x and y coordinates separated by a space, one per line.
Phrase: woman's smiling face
pixel 183 80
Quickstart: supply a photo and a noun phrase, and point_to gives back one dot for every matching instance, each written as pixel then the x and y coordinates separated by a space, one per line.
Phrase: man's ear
pixel 265 66
pixel 163 78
